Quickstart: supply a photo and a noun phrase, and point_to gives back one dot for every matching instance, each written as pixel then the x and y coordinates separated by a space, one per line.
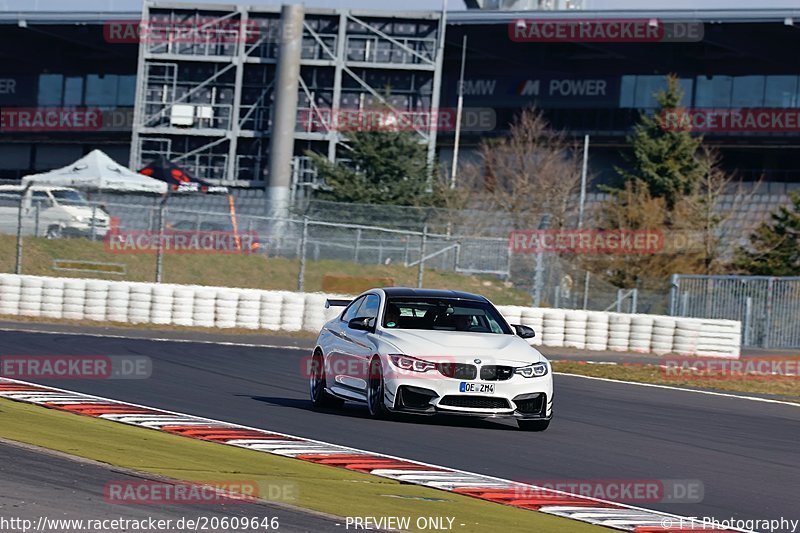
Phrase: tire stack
pixel 314 312
pixel 575 329
pixel 53 298
pixel 74 299
pixel 534 317
pixel 663 335
pixel 96 300
pixel 161 308
pixel 619 332
pixel 292 311
pixel 687 333
pixel 271 304
pixel 641 333
pixel 554 326
pixel 119 295
pixel 141 297
pixel 203 307
pixel 597 331
pixel 183 306
pixel 249 309
pixel 720 338
pixel 30 303
pixel 10 294
pixel 225 308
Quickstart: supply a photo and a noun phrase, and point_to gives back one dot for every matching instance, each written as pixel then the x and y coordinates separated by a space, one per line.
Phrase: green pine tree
pixel 664 156
pixel 774 245
pixel 384 167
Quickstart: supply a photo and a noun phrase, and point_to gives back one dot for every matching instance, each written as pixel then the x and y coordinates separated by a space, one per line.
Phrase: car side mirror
pixel 361 323
pixel 526 332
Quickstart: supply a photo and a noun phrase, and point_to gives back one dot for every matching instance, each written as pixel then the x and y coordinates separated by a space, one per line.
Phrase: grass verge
pixel 784 387
pixel 230 270
pixel 321 488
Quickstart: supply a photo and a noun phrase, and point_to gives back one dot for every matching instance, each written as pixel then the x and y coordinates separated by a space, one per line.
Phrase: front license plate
pixel 476 388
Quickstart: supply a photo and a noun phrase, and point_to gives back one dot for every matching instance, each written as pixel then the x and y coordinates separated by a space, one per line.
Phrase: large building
pixel 68 82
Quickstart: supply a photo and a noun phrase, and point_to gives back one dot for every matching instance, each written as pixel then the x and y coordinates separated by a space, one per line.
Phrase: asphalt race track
pixel 744 452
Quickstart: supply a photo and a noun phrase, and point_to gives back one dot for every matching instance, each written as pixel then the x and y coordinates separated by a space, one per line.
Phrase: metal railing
pixel 768 307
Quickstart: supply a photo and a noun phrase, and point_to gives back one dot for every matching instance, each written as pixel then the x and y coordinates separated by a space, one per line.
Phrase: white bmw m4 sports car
pixel 427 351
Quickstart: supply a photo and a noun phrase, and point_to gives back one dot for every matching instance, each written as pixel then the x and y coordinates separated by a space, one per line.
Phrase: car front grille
pixel 458 370
pixel 475 402
pixel 496 373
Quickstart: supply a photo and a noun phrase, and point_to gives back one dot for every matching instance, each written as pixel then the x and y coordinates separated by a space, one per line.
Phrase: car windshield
pixel 443 314
pixel 68 197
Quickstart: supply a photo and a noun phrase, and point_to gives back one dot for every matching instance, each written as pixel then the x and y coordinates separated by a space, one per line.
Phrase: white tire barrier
pixel 53 298
pixel 314 312
pixel 30 303
pixel 183 306
pixel 597 331
pixel 554 327
pixel 534 317
pixel 271 305
pixel 186 305
pixel 203 309
pixel 74 299
pixel 292 311
pixel 161 304
pixel 619 332
pixel 641 333
pixel 249 310
pixel 225 308
pixel 10 294
pixel 139 303
pixel 575 329
pixel 117 305
pixel 96 306
pixel 663 335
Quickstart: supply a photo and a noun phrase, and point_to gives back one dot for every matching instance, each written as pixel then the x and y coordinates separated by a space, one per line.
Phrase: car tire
pixel 320 398
pixel 54 232
pixel 375 390
pixel 533 425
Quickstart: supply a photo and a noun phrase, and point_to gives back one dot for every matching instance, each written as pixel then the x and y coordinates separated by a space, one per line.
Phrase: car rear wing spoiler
pixel 335 302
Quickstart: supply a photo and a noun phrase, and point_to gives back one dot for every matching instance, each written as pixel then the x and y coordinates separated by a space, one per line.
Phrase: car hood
pixel 462 346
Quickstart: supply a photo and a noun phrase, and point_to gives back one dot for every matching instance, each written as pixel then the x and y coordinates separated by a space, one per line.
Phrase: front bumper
pixel 517 397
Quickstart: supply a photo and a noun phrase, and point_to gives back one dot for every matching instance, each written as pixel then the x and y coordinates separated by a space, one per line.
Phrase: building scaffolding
pixel 206 76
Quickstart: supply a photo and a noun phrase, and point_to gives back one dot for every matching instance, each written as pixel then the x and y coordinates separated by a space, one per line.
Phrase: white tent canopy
pixel 97 171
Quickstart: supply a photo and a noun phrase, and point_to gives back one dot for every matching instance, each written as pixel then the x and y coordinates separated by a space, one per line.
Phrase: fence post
pixel 302 273
pixel 586 290
pixel 94 216
pixel 634 299
pixel 18 263
pixel 457 257
pixel 36 220
pixel 357 245
pixel 405 252
pixel 619 300
pixel 748 314
pixel 160 251
pixel 557 297
pixel 768 314
pixel 673 293
pixel 537 279
pixel 421 266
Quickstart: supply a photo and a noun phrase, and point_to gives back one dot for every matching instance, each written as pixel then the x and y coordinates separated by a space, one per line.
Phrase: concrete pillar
pixel 284 113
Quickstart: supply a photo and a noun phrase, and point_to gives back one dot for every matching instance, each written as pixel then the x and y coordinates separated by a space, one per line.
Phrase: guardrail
pixel 225 307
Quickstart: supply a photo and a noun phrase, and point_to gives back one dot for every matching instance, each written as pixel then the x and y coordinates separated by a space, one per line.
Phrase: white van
pixel 51 212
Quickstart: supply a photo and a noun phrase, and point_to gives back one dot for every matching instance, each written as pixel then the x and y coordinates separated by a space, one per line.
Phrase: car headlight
pixel 404 362
pixel 535 370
